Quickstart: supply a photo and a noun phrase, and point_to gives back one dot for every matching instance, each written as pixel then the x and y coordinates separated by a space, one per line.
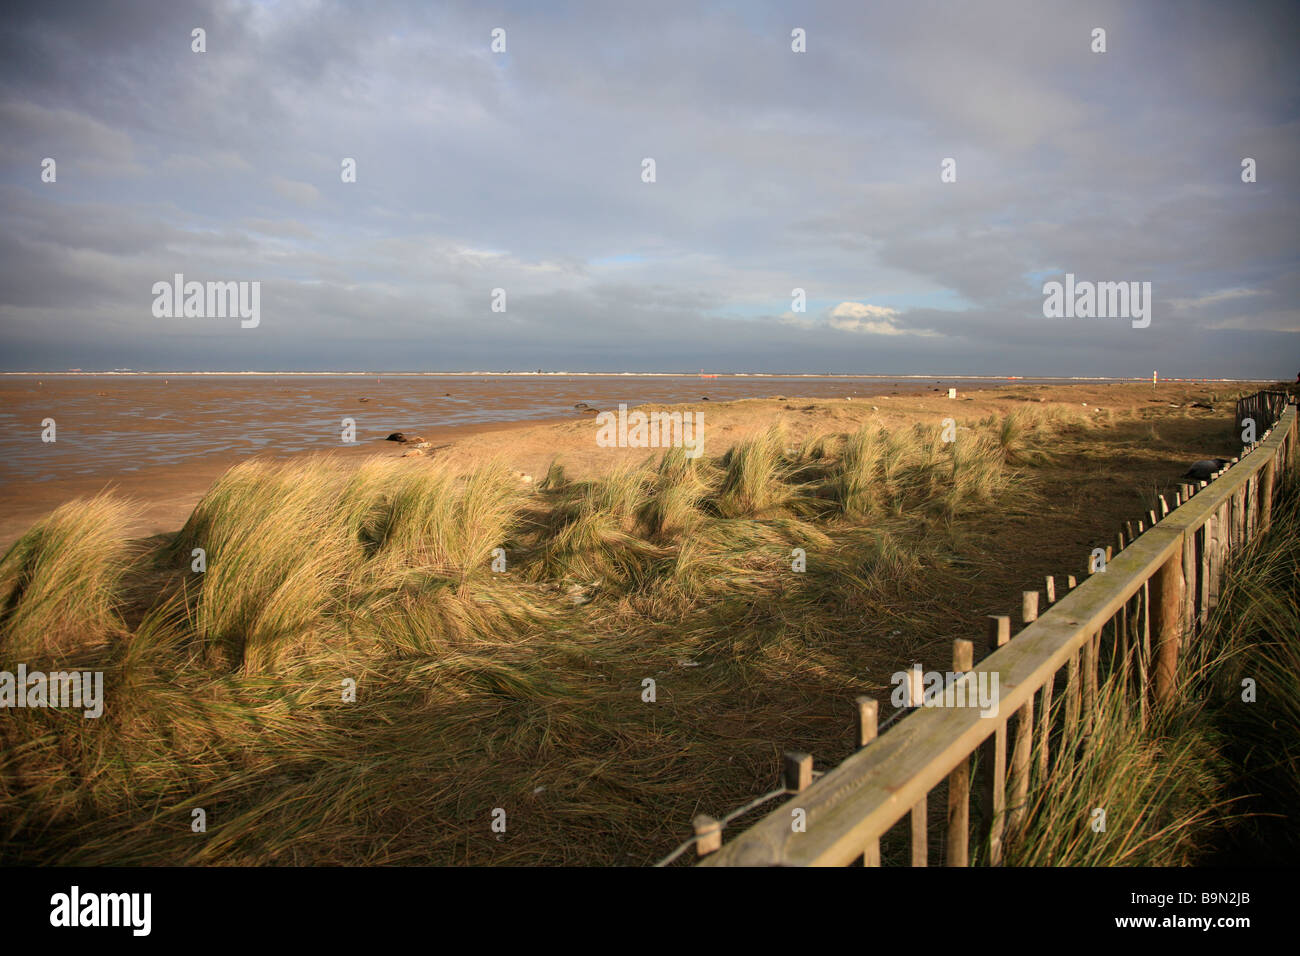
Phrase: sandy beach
pixel 161 441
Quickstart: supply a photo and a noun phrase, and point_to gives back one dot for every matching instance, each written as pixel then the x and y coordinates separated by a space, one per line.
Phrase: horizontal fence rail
pixel 1156 590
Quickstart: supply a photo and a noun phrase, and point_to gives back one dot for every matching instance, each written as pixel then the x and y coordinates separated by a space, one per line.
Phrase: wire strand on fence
pixel 758 802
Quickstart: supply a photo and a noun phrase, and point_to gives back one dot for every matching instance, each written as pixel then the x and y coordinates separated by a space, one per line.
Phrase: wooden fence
pixel 1155 592
pixel 1263 408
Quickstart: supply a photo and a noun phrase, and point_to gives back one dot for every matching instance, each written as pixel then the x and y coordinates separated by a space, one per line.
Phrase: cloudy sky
pixel 775 170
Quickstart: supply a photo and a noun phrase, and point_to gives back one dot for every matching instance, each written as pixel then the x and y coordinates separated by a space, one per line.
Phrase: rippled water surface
pixel 121 423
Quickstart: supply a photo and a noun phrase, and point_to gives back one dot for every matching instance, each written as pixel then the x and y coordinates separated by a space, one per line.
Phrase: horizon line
pixel 482 372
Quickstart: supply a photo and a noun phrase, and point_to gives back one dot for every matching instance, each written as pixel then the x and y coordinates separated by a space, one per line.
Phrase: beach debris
pixel 526 479
pixel 1201 405
pixel 582 594
pixel 1205 469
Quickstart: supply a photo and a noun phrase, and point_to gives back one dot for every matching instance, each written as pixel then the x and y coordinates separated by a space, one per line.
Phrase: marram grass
pixel 60 582
pixel 355 678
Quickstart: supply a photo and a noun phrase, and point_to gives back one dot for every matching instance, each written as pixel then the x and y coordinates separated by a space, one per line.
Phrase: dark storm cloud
pixel 775 170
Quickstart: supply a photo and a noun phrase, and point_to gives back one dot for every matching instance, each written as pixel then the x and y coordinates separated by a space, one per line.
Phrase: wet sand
pixel 163 440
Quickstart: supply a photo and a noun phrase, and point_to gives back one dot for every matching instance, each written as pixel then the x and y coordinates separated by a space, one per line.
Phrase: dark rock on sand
pixel 1204 469
pixel 405 439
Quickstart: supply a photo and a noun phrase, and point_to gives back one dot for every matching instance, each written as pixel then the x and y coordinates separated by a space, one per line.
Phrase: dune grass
pixel 351 681
pixel 1128 797
pixel 1212 771
pixel 60 582
pixel 1255 634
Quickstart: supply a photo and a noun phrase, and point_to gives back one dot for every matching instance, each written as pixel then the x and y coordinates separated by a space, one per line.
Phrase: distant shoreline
pixel 708 375
pixel 163 445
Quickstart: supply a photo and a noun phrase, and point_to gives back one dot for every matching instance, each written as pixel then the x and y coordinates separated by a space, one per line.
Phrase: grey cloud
pixel 775 170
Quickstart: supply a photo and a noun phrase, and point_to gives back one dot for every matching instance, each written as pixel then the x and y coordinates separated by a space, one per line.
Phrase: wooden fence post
pixel 867 709
pixel 1144 656
pixel 920 835
pixel 1022 752
pixel 1223 523
pixel 797 768
pixel 1205 547
pixel 1073 693
pixel 1089 683
pixel 1028 611
pixel 995 751
pixel 1266 495
pixel 1252 505
pixel 708 834
pixel 957 843
pixel 1238 520
pixel 1045 713
pixel 1166 625
pixel 1189 579
pixel 1214 564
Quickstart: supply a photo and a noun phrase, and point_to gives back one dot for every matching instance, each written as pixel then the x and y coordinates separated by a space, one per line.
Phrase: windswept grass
pixel 854 482
pixel 1128 798
pixel 1255 634
pixel 1219 767
pixel 590 534
pixel 60 582
pixel 435 521
pixel 351 680
pixel 278 555
pixel 678 490
pixel 755 474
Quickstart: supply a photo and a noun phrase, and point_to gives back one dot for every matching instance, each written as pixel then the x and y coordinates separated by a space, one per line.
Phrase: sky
pixel 524 170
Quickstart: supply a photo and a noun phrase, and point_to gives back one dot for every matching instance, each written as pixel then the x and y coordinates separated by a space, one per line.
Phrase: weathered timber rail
pixel 1154 594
